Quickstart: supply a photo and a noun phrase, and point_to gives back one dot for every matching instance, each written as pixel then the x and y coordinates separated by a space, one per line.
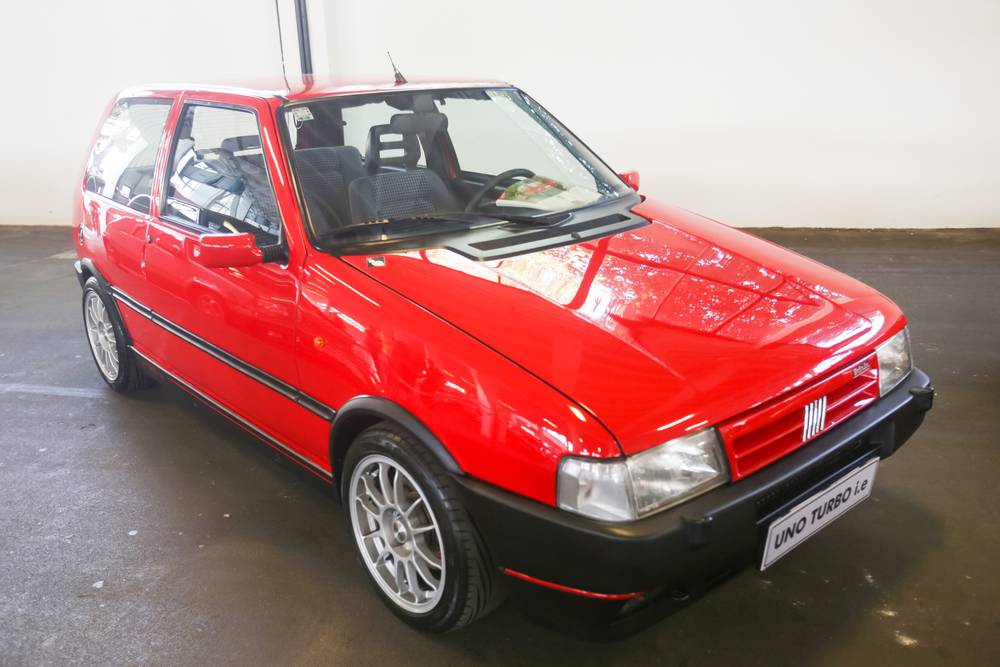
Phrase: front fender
pixel 361 412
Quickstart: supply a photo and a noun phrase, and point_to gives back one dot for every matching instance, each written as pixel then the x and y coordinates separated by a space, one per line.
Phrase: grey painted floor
pixel 213 550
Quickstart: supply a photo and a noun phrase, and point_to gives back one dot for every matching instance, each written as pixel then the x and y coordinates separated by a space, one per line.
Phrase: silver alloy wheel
pixel 101 334
pixel 397 533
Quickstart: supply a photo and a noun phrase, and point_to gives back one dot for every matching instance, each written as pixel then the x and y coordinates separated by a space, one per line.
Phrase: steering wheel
pixel 493 182
pixel 133 200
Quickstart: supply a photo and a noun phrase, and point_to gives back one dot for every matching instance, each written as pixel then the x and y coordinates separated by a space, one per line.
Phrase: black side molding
pixel 271 382
pixel 359 411
pixel 288 451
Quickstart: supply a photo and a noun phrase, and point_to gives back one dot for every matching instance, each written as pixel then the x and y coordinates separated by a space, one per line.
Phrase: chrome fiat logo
pixel 814 418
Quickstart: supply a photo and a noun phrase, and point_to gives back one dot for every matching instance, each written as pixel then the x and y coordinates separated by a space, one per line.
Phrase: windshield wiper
pixel 386 230
pixel 544 220
pixel 478 219
pixel 408 227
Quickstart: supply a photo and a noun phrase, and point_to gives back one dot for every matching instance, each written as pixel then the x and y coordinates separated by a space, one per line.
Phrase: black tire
pixel 130 376
pixel 471 585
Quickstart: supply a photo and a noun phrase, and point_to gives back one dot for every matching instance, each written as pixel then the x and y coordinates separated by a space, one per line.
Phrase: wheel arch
pixel 85 270
pixel 363 412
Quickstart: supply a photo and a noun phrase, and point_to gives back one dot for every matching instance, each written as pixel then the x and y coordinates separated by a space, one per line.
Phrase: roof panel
pixel 304 88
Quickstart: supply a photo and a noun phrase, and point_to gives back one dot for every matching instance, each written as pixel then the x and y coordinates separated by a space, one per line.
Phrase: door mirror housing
pixel 225 250
pixel 631 179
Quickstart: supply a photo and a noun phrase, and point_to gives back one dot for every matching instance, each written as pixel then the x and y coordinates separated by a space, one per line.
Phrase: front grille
pixel 778 497
pixel 767 433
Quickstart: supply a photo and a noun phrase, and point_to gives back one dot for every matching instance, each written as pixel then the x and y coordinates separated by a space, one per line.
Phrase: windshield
pixel 433 155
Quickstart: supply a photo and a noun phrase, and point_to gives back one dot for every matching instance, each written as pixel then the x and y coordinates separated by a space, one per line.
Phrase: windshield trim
pixel 282 110
pixel 448 223
pixel 483 243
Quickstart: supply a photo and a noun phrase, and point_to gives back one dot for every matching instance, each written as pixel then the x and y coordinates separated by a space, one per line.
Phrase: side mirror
pixel 222 250
pixel 631 179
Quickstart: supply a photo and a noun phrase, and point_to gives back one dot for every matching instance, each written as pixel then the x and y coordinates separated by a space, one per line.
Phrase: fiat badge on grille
pixel 814 419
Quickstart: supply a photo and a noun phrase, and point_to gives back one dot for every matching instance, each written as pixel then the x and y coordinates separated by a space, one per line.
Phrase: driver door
pixel 229 332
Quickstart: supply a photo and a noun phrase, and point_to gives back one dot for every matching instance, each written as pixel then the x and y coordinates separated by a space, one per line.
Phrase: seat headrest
pixel 244 143
pixel 423 102
pixel 413 123
pixel 407 126
pixel 329 158
pixel 407 143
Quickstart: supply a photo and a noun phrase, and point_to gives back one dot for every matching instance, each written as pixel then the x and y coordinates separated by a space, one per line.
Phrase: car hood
pixel 662 330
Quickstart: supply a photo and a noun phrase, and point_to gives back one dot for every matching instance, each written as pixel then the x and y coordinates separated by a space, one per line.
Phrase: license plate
pixel 816 512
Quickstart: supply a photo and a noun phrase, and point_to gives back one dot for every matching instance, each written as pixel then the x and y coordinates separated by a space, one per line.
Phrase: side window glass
pixel 218 179
pixel 121 163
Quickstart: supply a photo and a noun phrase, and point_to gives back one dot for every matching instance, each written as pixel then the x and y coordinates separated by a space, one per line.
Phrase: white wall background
pixel 856 113
pixel 63 61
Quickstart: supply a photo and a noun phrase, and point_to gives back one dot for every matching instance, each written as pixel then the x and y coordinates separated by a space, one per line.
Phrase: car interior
pixel 408 167
pixel 224 188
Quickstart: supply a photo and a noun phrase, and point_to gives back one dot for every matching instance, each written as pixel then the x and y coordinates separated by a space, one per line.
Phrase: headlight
pixel 630 488
pixel 894 361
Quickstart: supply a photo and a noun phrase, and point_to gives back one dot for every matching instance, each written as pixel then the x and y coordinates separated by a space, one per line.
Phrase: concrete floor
pixel 150 530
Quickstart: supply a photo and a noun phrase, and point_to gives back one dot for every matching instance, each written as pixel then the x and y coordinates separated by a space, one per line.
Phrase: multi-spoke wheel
pixel 398 535
pixel 413 534
pixel 106 336
pixel 101 335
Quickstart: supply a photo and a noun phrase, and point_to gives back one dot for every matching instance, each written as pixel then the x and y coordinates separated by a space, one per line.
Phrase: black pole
pixel 305 52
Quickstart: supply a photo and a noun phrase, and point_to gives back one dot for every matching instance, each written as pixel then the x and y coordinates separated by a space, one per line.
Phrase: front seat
pixel 396 186
pixel 243 158
pixel 325 174
pixel 399 193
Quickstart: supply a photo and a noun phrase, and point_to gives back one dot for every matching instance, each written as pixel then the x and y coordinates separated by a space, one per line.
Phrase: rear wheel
pixel 106 336
pixel 413 535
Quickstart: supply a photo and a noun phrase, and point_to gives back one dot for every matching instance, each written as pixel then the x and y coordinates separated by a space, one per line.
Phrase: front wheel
pixel 413 535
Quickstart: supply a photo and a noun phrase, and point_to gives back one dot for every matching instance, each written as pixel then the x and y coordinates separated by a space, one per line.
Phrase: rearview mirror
pixel 631 179
pixel 222 250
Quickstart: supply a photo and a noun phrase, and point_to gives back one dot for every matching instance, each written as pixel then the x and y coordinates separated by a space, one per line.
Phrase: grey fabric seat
pixel 399 193
pixel 325 174
pixel 241 171
pixel 396 185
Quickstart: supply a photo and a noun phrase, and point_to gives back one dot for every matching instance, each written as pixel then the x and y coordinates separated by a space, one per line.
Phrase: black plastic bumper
pixel 675 555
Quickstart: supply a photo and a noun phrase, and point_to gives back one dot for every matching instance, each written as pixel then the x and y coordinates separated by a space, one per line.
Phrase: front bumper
pixel 671 557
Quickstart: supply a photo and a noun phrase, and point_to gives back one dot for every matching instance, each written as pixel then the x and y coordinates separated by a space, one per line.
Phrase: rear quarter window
pixel 121 162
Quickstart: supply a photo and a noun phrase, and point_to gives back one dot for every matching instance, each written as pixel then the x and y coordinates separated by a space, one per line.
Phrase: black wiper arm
pixel 426 224
pixel 392 228
pixel 484 219
pixel 545 220
pixel 476 219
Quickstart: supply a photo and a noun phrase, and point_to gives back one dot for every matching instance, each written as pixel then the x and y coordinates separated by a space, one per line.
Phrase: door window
pixel 218 177
pixel 121 163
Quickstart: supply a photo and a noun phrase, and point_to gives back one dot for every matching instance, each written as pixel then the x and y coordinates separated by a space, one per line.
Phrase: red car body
pixel 600 349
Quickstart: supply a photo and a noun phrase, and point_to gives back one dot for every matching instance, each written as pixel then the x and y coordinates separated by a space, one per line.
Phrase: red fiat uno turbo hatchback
pixel 516 371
